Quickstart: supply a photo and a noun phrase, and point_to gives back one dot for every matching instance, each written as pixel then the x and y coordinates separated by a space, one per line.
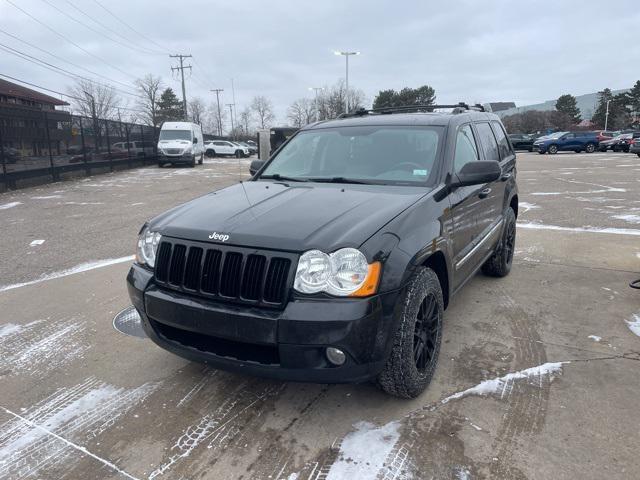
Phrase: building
pixel 24 114
pixel 499 106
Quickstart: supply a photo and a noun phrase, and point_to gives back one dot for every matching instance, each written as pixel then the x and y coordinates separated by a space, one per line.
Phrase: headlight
pixel 148 242
pixel 186 150
pixel 342 273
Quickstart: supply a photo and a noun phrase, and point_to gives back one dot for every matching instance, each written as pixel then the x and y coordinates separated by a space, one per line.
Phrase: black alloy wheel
pixel 425 334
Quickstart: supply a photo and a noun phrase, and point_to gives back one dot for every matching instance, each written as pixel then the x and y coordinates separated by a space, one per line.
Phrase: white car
pixel 136 148
pixel 224 148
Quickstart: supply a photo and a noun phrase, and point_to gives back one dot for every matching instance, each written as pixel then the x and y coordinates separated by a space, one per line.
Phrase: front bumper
pixel 184 158
pixel 286 344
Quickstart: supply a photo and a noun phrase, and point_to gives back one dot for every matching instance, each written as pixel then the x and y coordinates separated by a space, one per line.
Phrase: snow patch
pixel 628 218
pixel 9 329
pixel 540 194
pixel 613 231
pixel 35 243
pixel 363 452
pixel 46 197
pixel 634 323
pixel 10 205
pixel 595 338
pixel 83 267
pixel 500 384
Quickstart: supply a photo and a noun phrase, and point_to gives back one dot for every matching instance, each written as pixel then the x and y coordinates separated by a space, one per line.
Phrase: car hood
pixel 293 217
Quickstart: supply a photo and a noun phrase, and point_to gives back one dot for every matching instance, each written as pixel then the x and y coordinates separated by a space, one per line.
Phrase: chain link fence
pixel 39 147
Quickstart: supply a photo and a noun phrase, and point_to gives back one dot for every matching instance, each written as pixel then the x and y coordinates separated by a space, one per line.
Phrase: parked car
pixel 253 149
pixel 617 143
pixel 136 148
pixel 335 262
pixel 522 141
pixel 567 141
pixel 604 135
pixel 634 144
pixel 224 148
pixel 180 142
pixel 627 141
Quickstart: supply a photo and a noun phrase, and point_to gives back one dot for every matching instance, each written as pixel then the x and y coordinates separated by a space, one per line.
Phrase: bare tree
pixel 246 120
pixel 197 111
pixel 301 112
pixel 95 100
pixel 263 109
pixel 150 88
pixel 331 102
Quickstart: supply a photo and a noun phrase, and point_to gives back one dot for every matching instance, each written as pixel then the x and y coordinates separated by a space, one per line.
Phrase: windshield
pixel 175 135
pixel 370 154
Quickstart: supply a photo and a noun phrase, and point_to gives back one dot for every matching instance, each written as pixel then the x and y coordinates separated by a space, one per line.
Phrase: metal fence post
pixel 87 170
pixel 54 175
pixel 106 134
pixel 126 131
pixel 5 178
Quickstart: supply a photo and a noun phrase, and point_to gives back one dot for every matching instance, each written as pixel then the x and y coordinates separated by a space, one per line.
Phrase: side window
pixel 488 141
pixel 503 143
pixel 466 149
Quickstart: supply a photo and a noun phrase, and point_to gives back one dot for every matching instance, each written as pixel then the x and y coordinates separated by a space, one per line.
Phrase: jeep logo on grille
pixel 220 237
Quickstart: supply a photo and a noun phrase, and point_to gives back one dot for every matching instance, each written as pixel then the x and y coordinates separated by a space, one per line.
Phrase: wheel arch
pixel 438 263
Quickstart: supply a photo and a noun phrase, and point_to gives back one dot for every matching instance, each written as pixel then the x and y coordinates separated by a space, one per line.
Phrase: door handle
pixel 505 177
pixel 484 193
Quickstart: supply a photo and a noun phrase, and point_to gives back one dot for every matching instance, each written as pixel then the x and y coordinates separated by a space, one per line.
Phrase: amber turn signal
pixel 370 285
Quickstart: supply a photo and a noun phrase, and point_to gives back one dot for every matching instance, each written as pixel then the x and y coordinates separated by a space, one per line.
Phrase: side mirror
pixel 255 166
pixel 476 173
pixel 195 140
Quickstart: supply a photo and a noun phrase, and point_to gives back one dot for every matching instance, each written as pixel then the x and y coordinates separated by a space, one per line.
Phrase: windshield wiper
pixel 277 176
pixel 338 180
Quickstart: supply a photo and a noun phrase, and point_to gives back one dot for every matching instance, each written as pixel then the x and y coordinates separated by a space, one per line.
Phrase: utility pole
pixel 231 105
pixel 182 67
pixel 218 90
pixel 94 119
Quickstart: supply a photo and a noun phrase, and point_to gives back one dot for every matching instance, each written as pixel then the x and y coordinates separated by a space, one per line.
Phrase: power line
pixel 69 40
pixel 129 26
pixel 50 66
pixel 115 32
pixel 93 29
pixel 63 59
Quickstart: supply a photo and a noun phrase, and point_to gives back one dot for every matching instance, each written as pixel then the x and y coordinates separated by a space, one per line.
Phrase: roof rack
pixel 457 108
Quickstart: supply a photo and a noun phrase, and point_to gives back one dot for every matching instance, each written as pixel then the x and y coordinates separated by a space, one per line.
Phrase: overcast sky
pixel 473 50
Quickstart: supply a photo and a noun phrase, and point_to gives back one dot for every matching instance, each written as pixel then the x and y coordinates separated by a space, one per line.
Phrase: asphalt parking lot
pixel 538 375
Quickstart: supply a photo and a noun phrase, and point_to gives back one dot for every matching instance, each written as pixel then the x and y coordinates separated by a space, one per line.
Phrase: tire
pixel 499 264
pixel 192 163
pixel 638 155
pixel 201 161
pixel 553 149
pixel 577 151
pixel 530 149
pixel 541 152
pixel 210 153
pixel 590 148
pixel 406 373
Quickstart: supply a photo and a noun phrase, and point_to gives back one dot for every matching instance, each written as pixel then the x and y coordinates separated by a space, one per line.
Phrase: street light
pixel 317 89
pixel 606 116
pixel 346 55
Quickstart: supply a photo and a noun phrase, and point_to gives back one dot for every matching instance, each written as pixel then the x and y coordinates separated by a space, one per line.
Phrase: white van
pixel 180 142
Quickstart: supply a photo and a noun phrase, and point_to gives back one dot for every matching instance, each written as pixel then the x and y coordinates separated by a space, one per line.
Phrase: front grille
pixel 173 151
pixel 233 274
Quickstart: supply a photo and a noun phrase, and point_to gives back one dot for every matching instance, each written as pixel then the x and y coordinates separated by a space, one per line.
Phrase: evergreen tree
pixel 634 97
pixel 424 95
pixel 599 116
pixel 169 107
pixel 567 104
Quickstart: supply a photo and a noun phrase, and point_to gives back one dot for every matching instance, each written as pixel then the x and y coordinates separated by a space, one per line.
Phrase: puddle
pixel 128 322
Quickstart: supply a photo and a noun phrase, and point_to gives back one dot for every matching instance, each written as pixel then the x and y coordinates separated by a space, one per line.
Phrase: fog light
pixel 336 356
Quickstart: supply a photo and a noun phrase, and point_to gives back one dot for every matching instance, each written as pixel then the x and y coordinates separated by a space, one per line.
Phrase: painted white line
pixel 612 231
pixel 71 444
pixel 83 267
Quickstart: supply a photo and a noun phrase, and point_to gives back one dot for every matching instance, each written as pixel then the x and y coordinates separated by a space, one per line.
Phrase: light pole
pixel 346 55
pixel 606 115
pixel 317 89
pixel 231 105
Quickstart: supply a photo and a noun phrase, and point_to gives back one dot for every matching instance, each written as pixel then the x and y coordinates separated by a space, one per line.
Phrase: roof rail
pixel 457 108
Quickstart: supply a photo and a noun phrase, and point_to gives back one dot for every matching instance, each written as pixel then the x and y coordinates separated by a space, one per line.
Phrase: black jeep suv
pixel 336 261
